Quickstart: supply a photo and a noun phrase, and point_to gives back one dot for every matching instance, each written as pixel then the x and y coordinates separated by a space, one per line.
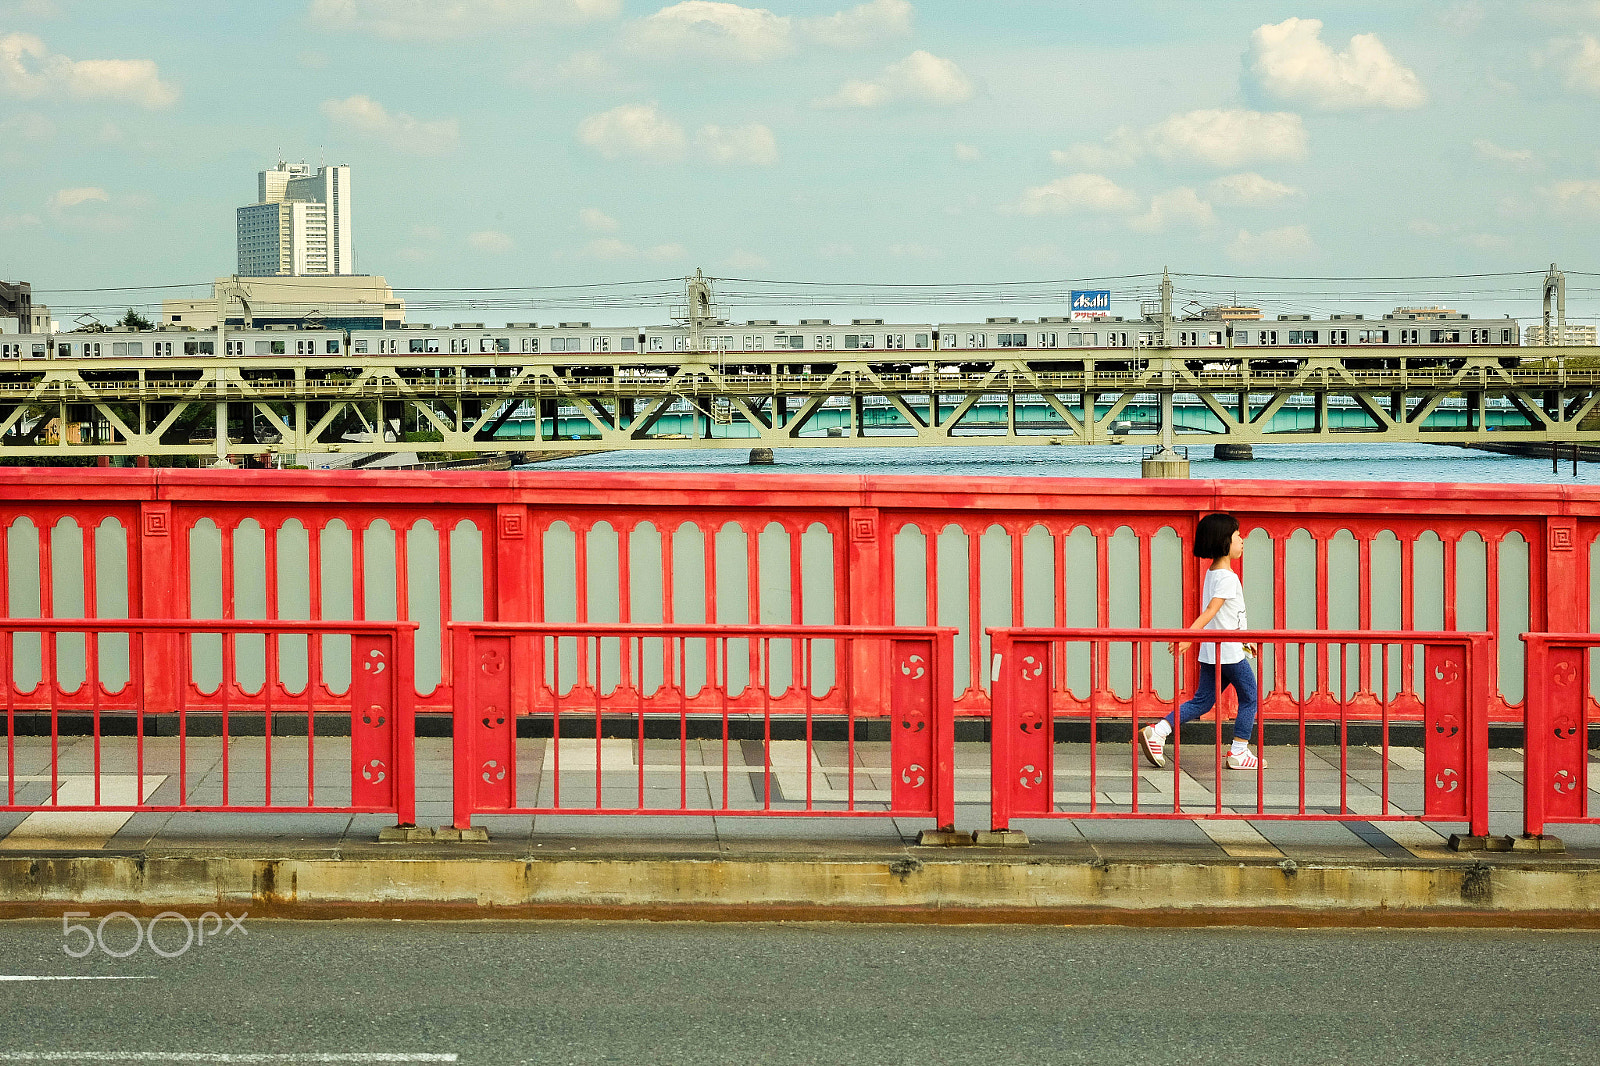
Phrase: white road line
pixel 47 977
pixel 209 1056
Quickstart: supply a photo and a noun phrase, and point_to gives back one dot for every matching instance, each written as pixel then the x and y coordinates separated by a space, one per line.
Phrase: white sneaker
pixel 1153 745
pixel 1244 760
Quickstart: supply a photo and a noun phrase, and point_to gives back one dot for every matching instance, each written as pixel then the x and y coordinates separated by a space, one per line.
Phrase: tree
pixel 133 320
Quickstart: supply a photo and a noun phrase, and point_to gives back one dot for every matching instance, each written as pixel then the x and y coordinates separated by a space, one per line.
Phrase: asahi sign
pixel 1091 303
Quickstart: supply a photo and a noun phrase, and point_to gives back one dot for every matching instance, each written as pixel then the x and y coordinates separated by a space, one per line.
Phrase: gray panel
pixel 910 577
pixel 205 601
pixel 422 602
pixel 111 599
pixel 817 601
pixel 1512 585
pixel 249 601
pixel 22 591
pixel 953 603
pixel 994 591
pixel 336 554
pixel 66 595
pixel 293 546
pixel 466 572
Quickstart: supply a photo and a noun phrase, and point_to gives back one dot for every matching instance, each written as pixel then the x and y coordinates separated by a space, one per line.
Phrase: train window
pixel 159 348
pixel 119 349
pixel 749 342
pixel 920 340
pixel 1444 336
pixel 558 344
pixel 1372 336
pixel 38 351
pixel 360 346
pixel 501 344
pixel 1408 336
pixel 1047 340
pixel 797 341
pixel 9 351
pixel 263 348
pixel 416 347
pixel 1090 340
pixel 1269 336
pixel 333 347
pixel 1242 337
pixel 852 340
pixel 600 344
pixel 1505 337
pixel 868 340
pixel 977 340
pixel 658 344
pixel 280 347
pixel 64 351
pixel 1013 340
pixel 1338 336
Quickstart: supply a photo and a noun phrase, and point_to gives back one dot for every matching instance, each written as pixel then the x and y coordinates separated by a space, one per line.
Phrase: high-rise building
pixel 1569 334
pixel 300 225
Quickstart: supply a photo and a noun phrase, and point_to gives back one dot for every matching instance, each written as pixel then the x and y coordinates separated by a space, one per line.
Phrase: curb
pixel 999 890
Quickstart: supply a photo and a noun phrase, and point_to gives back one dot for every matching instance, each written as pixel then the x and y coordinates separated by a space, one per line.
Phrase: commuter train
pixel 1411 337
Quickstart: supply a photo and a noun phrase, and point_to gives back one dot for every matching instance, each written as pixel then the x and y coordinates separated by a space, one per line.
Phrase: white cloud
pixel 837 250
pixel 27 126
pixel 1181 206
pixel 1285 242
pixel 743 260
pixel 1228 138
pixel 83 195
pixel 16 222
pixel 914 250
pixel 596 221
pixel 1516 157
pixel 860 26
pixel 1578 60
pixel 1249 190
pixel 714 29
pixel 920 77
pixel 1214 137
pixel 751 145
pixel 1094 193
pixel 1575 197
pixel 611 248
pixel 638 130
pixel 29 69
pixel 1290 61
pixel 362 114
pixel 965 153
pixel 443 19
pixel 710 29
pixel 492 241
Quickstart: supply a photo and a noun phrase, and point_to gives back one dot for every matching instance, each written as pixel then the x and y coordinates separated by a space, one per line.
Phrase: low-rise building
pixel 361 301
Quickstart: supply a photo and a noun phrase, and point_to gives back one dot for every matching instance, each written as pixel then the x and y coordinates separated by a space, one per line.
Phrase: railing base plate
pixel 1538 843
pixel 1000 838
pixel 943 838
pixel 405 834
pixel 1469 842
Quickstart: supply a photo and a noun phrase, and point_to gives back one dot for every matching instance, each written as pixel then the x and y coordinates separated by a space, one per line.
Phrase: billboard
pixel 1086 303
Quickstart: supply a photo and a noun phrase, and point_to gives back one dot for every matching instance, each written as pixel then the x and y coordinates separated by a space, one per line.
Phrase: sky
pixel 519 144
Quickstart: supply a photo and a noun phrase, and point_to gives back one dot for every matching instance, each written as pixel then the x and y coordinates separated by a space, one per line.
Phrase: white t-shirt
pixel 1226 584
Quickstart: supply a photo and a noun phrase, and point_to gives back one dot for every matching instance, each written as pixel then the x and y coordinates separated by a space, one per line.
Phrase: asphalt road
pixel 531 992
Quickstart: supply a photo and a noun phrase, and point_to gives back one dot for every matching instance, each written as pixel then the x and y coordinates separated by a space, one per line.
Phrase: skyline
pixel 550 142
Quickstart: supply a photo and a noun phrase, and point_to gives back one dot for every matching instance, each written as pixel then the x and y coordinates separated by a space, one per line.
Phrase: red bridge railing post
pixel 1555 733
pixel 158 560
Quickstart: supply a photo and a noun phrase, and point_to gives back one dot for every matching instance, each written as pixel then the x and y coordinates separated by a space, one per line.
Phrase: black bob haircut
pixel 1213 537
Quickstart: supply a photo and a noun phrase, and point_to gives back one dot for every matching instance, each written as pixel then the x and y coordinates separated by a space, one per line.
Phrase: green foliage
pixel 133 320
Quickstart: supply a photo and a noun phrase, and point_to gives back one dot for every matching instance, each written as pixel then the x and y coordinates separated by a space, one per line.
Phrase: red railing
pixel 703 720
pixel 967 553
pixel 1555 775
pixel 135 727
pixel 1363 679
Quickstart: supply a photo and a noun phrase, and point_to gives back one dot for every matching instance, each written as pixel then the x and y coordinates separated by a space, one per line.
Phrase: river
pixel 1275 462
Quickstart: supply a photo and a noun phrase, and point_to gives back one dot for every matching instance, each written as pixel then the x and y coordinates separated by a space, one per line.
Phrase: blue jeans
pixel 1242 678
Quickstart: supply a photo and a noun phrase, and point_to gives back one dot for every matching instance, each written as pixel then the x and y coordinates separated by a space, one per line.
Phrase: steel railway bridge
pixel 232 408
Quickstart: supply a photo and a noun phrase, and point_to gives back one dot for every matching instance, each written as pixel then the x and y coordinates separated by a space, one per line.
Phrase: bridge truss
pixel 236 407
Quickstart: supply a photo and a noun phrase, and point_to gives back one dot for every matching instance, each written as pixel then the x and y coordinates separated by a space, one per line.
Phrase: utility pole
pixel 1555 284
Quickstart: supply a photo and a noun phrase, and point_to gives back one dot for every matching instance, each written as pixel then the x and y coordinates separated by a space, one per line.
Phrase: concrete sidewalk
pixel 727 866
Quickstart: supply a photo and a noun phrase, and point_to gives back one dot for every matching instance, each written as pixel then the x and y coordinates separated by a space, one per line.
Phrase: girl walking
pixel 1216 538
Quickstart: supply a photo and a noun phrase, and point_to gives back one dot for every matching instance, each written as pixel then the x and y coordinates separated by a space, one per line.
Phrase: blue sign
pixel 1087 303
